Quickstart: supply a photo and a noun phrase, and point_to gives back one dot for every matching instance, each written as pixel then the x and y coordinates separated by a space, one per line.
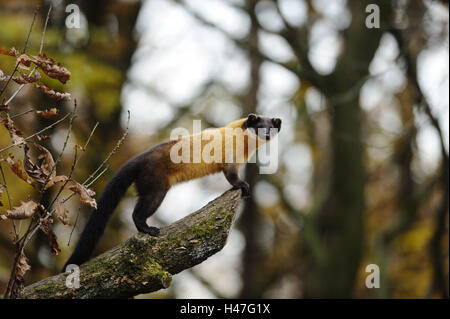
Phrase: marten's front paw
pixel 245 189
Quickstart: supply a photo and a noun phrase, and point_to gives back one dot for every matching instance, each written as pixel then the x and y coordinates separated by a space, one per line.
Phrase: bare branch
pixel 241 43
pixel 23 51
pixel 37 133
pixel 40 51
pixel 111 153
pixel 143 263
pixel 5 185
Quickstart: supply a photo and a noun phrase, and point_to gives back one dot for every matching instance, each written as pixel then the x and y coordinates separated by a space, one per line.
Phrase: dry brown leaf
pixel 22 78
pixel 49 66
pixel 22 266
pixel 59 96
pixel 4 77
pixel 25 79
pixel 48 114
pixel 24 61
pixel 43 173
pixel 61 213
pixel 31 78
pixel 15 134
pixel 47 161
pixel 46 227
pixel 24 211
pixel 55 179
pixel 52 68
pixel 33 170
pixel 18 169
pixel 85 194
pixel 10 52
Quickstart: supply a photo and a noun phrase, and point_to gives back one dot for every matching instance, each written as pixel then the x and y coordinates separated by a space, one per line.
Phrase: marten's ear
pixel 252 118
pixel 277 123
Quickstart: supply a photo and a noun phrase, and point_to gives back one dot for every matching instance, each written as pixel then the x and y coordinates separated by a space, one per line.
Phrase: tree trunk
pixel 340 223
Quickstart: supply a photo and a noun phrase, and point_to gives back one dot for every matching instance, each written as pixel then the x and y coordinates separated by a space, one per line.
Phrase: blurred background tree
pixel 363 152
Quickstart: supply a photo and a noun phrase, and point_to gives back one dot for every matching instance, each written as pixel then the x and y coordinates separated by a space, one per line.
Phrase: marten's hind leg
pixel 145 207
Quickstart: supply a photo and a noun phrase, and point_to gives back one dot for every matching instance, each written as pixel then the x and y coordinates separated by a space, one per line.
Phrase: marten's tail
pixel 106 204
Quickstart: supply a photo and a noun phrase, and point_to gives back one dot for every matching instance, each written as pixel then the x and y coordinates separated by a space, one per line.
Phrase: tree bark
pixel 339 224
pixel 251 218
pixel 143 263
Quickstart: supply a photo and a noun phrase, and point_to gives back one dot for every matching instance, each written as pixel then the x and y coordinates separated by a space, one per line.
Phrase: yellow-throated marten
pixel 155 171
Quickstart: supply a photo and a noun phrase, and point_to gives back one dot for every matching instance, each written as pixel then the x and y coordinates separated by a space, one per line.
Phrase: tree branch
pixel 243 44
pixel 143 263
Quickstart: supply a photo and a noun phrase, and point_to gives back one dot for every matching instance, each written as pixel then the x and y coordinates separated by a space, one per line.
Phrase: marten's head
pixel 264 127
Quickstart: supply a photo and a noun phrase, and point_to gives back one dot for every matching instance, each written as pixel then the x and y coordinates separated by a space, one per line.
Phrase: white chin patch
pixel 252 130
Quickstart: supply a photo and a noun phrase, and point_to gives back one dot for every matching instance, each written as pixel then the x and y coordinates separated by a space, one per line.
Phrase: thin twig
pixel 36 10
pixel 21 241
pixel 24 240
pixel 65 183
pixel 58 159
pixel 75 162
pixel 20 114
pixel 86 183
pixel 40 52
pixel 113 151
pixel 45 29
pixel 23 51
pixel 96 178
pixel 37 133
pixel 90 136
pixel 74 225
pixel 9 198
pixel 56 197
pixel 19 88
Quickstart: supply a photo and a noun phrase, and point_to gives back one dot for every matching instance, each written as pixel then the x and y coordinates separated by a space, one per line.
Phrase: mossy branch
pixel 143 264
